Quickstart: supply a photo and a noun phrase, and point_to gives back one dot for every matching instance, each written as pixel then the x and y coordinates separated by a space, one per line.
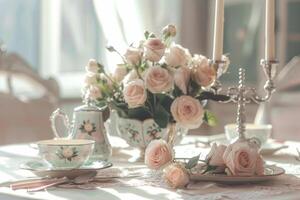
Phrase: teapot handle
pixel 54 115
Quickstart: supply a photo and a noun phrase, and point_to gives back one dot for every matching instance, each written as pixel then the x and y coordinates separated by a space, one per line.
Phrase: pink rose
pixel 133 56
pixel 187 112
pixel 158 153
pixel 203 73
pixel 94 93
pixel 119 73
pixel 176 175
pixel 135 93
pixel 243 159
pixel 182 78
pixel 158 80
pixel 177 56
pixel 154 49
pixel 215 156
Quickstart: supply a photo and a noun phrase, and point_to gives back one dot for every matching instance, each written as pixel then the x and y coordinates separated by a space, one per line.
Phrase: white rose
pixel 202 72
pixel 133 56
pixel 92 66
pixel 169 30
pixel 187 112
pixel 154 49
pixel 135 93
pixel 119 73
pixel 182 78
pixel 158 80
pixel 176 56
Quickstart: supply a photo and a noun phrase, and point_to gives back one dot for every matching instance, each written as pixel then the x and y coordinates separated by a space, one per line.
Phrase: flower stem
pixel 137 71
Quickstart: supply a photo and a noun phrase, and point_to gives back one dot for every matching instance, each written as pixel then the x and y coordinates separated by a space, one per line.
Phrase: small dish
pixel 42 169
pixel 271 172
pixel 260 131
pixel 272 147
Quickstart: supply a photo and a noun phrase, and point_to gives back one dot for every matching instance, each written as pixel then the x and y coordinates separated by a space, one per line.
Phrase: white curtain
pixel 124 22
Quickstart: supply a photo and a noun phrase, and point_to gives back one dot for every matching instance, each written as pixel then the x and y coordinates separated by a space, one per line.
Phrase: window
pixel 70 36
pixel 19 28
pixel 57 37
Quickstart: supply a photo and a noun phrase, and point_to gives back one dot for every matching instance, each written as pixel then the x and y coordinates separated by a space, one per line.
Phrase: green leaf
pixel 146 34
pixel 209 168
pixel 139 113
pixel 212 96
pixel 210 118
pixel 192 162
pixel 100 68
pixel 111 49
pixel 177 92
pixel 161 116
pixel 152 35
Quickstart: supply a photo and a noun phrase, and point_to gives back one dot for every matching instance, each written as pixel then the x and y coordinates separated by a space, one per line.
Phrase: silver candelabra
pixel 241 95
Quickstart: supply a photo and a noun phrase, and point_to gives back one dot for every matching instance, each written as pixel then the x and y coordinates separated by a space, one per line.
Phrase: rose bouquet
pixel 158 79
pixel 241 158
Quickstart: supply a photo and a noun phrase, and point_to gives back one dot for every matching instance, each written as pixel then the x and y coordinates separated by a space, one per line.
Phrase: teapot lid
pixel 92 108
pixel 88 107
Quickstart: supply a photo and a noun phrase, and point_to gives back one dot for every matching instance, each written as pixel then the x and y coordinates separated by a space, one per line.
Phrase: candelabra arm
pixel 269 68
pixel 220 67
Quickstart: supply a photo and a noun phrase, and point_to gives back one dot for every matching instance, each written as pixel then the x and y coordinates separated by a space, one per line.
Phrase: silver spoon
pixel 78 180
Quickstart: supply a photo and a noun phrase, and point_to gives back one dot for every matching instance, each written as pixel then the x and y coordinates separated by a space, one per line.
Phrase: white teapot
pixel 87 123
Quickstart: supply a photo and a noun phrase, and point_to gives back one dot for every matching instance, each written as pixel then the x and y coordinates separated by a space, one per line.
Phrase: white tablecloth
pixel 285 187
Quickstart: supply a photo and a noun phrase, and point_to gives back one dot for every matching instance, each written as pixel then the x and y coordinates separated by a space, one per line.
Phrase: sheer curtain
pixel 124 22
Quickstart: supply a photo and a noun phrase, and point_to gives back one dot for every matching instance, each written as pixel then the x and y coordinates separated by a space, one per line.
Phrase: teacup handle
pixel 54 115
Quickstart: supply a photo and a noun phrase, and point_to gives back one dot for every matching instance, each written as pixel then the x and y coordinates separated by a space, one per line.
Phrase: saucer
pixel 271 172
pixel 42 169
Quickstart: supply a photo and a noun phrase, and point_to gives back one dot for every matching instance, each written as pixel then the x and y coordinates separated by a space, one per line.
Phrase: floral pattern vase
pixel 140 133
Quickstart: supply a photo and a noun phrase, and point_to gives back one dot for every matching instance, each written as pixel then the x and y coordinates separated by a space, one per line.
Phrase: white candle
pixel 269 30
pixel 218 30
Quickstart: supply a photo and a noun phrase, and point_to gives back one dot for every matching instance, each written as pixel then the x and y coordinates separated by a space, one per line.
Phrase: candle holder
pixel 220 67
pixel 241 95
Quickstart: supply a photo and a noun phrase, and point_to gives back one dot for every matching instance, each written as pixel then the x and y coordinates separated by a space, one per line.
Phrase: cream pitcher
pixel 87 123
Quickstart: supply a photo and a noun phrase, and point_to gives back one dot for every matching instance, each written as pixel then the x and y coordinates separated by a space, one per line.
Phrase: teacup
pixel 260 131
pixel 65 153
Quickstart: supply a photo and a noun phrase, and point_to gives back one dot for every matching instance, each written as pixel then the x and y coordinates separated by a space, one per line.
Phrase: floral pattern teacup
pixel 65 153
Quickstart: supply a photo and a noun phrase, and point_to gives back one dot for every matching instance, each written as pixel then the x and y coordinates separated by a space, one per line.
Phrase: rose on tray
pixel 158 79
pixel 241 158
